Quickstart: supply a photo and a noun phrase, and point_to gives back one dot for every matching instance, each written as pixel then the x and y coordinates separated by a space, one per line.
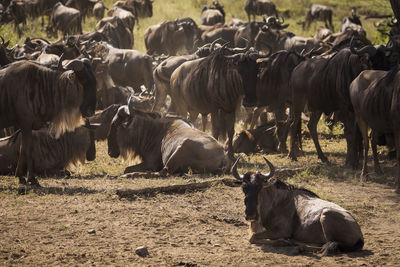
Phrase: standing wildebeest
pixel 170 37
pixel 99 9
pixel 117 34
pixel 353 23
pixel 259 8
pixel 162 73
pixel 168 144
pixel 127 67
pixel 283 40
pixel 127 17
pixel 318 13
pixel 277 210
pixel 31 95
pixel 376 102
pixel 84 6
pixel 50 156
pixel 273 89
pixel 140 9
pixel 66 19
pixel 15 12
pixel 211 15
pixel 323 84
pixel 215 84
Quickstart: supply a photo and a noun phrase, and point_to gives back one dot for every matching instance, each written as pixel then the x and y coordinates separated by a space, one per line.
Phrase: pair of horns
pixel 265 176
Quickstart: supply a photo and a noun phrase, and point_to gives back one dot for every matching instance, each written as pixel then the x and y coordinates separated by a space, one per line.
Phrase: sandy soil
pixel 85 223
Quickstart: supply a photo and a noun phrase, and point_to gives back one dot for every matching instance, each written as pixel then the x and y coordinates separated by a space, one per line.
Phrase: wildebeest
pixel 322 33
pixel 273 88
pixel 117 34
pixel 323 84
pixel 211 15
pixel 375 98
pixel 318 13
pixel 140 9
pixel 224 33
pixel 4 58
pixel 84 6
pixel 127 17
pixel 66 19
pixel 127 67
pixel 99 9
pixel 277 210
pixel 251 141
pixel 170 145
pixel 16 13
pixel 282 40
pixel 215 84
pixel 162 73
pixel 170 37
pixel 32 95
pixel 353 23
pixel 259 8
pixel 50 156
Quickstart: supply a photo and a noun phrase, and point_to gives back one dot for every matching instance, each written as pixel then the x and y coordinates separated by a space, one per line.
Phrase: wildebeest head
pixel 84 73
pixel 376 55
pixel 252 183
pixel 120 117
pixel 246 65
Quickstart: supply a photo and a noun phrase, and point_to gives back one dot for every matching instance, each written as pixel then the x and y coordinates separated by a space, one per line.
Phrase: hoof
pixel 33 182
pixel 363 177
pixel 22 180
pixel 292 156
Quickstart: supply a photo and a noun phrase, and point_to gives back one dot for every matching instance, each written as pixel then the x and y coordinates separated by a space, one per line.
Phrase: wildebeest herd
pixel 49 92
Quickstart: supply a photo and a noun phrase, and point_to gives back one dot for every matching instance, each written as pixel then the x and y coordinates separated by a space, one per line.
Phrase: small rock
pixel 91 231
pixel 142 251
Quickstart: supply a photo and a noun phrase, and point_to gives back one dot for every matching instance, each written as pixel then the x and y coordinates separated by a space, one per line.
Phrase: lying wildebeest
pixel 323 84
pixel 31 95
pixel 66 19
pixel 170 37
pixel 318 13
pixel 259 8
pixel 253 140
pixel 215 84
pixel 168 144
pixel 277 210
pixel 235 22
pixel 127 67
pixel 375 98
pixel 211 15
pixel 50 156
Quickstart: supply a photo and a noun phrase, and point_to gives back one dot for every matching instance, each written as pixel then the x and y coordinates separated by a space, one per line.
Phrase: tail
pixel 333 247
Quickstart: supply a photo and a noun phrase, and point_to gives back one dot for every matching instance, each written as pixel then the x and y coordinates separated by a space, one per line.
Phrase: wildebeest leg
pixel 374 136
pixel 204 120
pixel 397 144
pixel 312 127
pixel 348 122
pixel 214 124
pixel 281 131
pixel 230 127
pixel 160 96
pixel 295 123
pixel 364 132
pixel 256 114
pixel 141 167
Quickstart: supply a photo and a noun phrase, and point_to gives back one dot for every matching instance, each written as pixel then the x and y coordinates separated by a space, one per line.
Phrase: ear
pixel 72 76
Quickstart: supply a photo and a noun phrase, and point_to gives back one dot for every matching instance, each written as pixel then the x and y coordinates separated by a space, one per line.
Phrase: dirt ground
pixel 81 221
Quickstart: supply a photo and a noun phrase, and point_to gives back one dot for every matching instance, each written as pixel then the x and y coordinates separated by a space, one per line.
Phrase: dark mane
pixel 285 186
pixel 388 78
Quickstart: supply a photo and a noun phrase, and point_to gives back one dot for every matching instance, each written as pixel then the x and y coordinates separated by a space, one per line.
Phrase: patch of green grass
pixel 172 9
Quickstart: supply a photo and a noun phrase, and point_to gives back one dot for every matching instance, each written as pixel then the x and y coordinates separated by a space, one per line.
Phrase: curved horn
pixel 242 50
pixel 271 170
pixel 235 172
pixel 60 66
pixel 369 49
pixel 214 43
pixel 75 65
pixel 2 40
